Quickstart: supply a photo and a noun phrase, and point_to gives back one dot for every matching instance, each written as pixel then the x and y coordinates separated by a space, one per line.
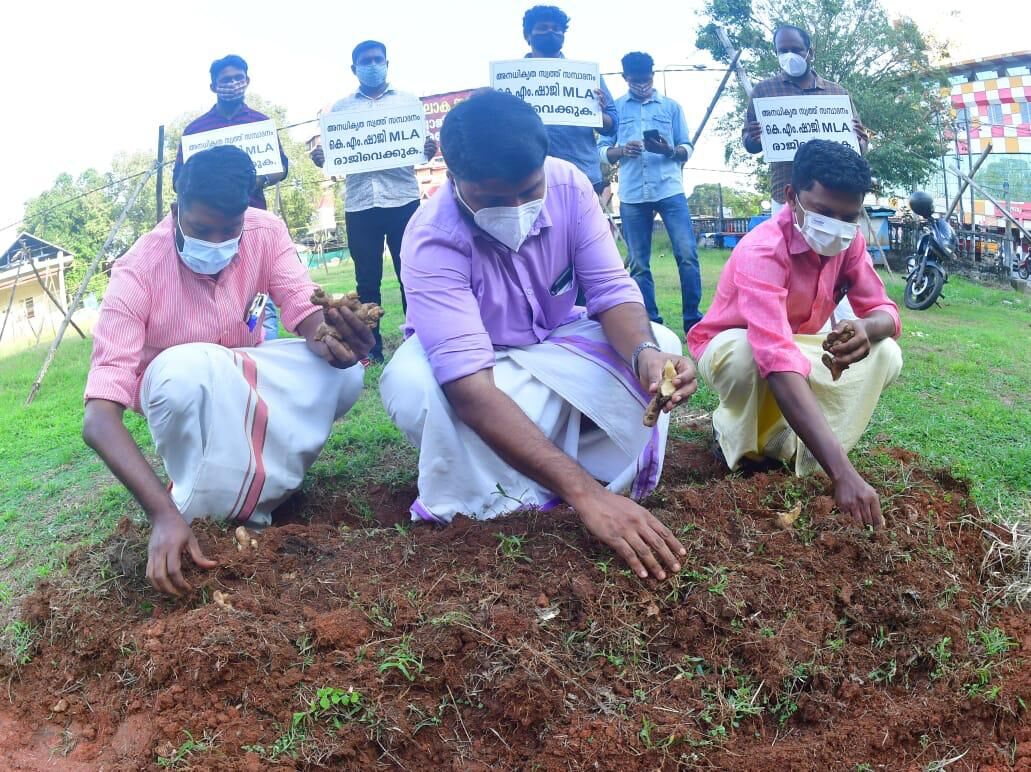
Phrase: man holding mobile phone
pixel 652 145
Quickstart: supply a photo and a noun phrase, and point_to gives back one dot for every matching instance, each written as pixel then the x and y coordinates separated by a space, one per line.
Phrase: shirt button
pixel 529 291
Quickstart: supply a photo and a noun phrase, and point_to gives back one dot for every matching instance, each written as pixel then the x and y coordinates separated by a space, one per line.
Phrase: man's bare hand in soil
pixel 170 537
pixel 632 532
pixel 104 431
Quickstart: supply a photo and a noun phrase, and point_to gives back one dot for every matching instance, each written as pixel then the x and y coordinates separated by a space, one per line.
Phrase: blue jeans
pixel 271 323
pixel 638 222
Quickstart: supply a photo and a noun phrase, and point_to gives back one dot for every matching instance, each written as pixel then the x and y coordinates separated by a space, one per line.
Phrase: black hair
pixel 229 60
pixel 493 135
pixel 802 33
pixel 637 63
pixel 364 46
pixel 544 13
pixel 834 165
pixel 222 178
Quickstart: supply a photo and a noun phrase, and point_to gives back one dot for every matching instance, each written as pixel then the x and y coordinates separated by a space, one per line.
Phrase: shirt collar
pixel 818 83
pixel 359 94
pixel 241 110
pixel 797 245
pixel 652 97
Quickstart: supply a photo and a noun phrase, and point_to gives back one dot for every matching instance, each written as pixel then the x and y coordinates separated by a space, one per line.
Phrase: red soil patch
pixel 814 648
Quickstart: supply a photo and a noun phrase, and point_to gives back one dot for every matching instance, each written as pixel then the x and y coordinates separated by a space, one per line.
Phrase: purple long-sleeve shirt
pixel 469 294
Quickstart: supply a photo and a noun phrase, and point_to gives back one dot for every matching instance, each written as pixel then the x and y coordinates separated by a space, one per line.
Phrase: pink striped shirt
pixel 155 302
pixel 775 287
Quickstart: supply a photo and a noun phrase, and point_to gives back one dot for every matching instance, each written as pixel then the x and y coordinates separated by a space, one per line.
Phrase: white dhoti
pixel 748 421
pixel 573 375
pixel 238 428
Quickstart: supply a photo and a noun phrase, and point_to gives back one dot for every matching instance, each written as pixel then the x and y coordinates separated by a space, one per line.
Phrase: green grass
pixel 962 401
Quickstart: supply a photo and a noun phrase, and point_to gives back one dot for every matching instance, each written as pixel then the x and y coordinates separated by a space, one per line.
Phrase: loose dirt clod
pixel 662 396
pixel 829 361
pixel 60 706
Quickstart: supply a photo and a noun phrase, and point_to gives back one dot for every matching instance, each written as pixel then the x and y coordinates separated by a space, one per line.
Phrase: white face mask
pixel 793 64
pixel 508 224
pixel 827 237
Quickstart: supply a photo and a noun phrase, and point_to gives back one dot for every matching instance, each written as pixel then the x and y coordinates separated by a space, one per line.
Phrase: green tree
pixel 78 213
pixel 80 226
pixel 884 64
pixel 705 197
pixel 997 172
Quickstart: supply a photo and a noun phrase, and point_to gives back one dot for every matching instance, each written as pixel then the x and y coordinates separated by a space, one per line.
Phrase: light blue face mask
pixel 206 257
pixel 371 75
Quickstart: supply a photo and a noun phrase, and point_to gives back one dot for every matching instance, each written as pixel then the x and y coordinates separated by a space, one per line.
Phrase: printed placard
pixel 370 137
pixel 259 140
pixel 560 90
pixel 437 106
pixel 789 122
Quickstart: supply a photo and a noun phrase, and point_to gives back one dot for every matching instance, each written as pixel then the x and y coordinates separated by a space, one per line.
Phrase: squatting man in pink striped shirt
pixel 236 423
pixel 782 394
pixel 514 395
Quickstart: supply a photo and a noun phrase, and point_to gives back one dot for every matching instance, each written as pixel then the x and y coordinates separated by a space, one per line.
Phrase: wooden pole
pixel 160 203
pixel 716 97
pixel 85 282
pixel 14 291
pixel 735 56
pixel 965 183
pixel 719 213
pixel 54 300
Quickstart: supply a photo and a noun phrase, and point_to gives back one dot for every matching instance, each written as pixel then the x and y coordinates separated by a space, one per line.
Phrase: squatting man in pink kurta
pixel 514 394
pixel 236 423
pixel 788 393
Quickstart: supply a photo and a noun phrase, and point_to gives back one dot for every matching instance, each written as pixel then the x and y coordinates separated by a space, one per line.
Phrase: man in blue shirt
pixel 652 145
pixel 544 28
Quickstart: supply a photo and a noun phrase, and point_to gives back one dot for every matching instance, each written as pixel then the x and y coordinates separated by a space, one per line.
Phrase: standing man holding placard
pixel 544 28
pixel 651 145
pixel 229 81
pixel 794 50
pixel 377 204
pixel 795 53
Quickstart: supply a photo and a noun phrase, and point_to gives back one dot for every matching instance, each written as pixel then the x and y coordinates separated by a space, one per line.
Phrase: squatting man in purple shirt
pixel 514 395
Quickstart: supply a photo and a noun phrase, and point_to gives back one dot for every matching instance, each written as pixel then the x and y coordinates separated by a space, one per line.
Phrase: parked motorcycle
pixel 1023 266
pixel 925 270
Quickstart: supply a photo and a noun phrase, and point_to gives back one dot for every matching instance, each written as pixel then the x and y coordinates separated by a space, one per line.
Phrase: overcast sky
pixel 85 81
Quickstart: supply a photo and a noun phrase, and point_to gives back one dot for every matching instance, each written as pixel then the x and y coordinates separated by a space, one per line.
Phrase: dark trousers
pixel 366 231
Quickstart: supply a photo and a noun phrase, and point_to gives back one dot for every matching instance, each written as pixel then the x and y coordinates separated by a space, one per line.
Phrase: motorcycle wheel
pixel 1024 271
pixel 923 288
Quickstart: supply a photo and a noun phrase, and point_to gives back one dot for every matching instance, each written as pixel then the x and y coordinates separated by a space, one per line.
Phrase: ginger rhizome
pixel 663 395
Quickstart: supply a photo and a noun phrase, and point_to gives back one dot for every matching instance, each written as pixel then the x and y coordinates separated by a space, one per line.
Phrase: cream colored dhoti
pixel 748 421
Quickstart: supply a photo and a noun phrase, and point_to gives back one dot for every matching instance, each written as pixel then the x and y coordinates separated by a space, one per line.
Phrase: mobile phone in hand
pixel 653 135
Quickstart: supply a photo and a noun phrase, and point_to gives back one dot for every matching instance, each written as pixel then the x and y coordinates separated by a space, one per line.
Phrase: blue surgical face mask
pixel 205 257
pixel 371 75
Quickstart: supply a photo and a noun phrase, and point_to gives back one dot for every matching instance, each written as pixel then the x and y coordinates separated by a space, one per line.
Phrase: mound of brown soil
pixel 519 644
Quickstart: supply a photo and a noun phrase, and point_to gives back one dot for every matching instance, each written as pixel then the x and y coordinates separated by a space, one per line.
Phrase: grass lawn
pixel 960 402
